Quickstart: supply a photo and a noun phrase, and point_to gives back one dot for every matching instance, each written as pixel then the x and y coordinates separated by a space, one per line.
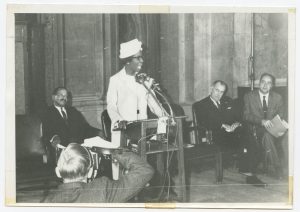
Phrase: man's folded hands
pixel 231 128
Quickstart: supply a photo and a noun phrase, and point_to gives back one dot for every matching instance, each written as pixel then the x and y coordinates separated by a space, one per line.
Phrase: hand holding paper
pixel 278 128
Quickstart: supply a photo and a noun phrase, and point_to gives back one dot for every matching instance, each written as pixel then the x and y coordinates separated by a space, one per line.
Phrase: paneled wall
pixel 21 64
pixel 144 27
pixel 222 48
pixel 184 52
pixel 271 45
pixel 29 61
pixel 197 49
pixel 81 54
pixel 242 50
pixel 169 47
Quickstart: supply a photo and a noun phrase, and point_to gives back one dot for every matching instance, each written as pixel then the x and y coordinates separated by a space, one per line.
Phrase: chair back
pixel 28 137
pixel 177 109
pixel 198 129
pixel 106 125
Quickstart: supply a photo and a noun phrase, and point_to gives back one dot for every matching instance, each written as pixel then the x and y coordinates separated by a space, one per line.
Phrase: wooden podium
pixel 144 149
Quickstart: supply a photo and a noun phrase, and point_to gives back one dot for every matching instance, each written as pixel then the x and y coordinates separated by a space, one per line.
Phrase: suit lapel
pixel 212 104
pixel 258 102
pixel 55 111
pixel 57 114
pixel 270 101
pixel 271 106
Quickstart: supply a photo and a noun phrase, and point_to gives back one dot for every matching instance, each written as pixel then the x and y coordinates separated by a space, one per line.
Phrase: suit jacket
pixel 260 143
pixel 75 130
pixel 211 118
pixel 253 109
pixel 128 100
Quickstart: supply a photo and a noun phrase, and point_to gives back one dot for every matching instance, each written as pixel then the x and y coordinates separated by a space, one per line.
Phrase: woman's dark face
pixel 135 65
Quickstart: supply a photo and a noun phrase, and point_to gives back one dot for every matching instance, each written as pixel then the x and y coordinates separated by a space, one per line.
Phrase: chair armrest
pixel 189 126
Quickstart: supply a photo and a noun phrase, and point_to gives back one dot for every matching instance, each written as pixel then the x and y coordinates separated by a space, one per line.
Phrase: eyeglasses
pixel 62 96
pixel 139 57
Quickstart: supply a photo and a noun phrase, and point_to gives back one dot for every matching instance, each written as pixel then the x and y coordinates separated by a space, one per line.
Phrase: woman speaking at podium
pixel 127 97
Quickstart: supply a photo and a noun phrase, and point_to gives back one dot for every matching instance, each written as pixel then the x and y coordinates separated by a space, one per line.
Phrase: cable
pixel 147 136
pixel 168 163
pixel 166 101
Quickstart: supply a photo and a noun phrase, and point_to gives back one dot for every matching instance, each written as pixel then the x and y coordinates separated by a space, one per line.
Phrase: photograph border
pixel 10 184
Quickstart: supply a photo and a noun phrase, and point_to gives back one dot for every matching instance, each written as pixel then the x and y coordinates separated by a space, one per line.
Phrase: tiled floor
pixel 201 187
pixel 234 189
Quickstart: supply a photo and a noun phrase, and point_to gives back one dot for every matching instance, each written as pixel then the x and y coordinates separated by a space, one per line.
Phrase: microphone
pixel 143 77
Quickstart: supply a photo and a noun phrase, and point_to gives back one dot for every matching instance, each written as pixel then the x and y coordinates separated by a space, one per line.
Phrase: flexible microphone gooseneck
pixel 142 78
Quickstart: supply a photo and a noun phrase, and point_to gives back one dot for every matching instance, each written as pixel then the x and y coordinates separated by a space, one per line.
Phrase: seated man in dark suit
pixel 64 124
pixel 217 113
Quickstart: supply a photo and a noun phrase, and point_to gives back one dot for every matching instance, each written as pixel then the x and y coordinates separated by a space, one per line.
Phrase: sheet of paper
pixel 279 127
pixel 99 142
pixel 162 125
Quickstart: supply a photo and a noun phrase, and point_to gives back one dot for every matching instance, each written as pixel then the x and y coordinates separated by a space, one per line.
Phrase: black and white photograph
pixel 150 106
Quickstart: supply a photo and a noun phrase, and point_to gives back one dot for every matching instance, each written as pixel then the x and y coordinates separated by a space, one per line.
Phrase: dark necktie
pixel 64 114
pixel 218 105
pixel 265 107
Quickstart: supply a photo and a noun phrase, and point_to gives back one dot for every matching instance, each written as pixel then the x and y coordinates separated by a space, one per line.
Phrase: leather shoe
pixel 253 180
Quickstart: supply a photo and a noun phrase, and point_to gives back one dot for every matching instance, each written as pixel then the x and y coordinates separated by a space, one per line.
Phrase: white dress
pixel 128 100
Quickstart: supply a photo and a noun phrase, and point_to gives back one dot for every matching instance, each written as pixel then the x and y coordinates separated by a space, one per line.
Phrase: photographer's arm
pixel 139 173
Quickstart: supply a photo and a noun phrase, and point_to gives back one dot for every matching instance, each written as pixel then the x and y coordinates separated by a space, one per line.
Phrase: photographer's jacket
pixel 105 190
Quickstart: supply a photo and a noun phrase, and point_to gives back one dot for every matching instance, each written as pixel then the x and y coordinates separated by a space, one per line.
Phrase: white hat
pixel 130 48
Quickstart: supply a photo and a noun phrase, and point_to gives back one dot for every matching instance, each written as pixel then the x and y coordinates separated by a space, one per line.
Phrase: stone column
pixel 242 50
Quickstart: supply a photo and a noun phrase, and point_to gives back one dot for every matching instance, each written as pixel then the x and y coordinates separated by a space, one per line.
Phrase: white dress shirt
pixel 217 104
pixel 59 110
pixel 261 96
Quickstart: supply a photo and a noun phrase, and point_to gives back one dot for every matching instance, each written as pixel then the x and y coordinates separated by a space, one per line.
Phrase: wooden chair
pixel 32 168
pixel 106 125
pixel 205 148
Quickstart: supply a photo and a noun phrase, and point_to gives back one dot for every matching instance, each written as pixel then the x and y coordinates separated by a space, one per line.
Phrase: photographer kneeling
pixel 74 166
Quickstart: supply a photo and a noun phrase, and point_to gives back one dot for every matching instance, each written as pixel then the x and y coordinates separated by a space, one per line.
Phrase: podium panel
pixel 139 135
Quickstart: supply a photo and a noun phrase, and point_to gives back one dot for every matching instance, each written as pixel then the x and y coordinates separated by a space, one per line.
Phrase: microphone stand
pixel 156 90
pixel 169 106
pixel 150 91
pixel 251 71
pixel 141 79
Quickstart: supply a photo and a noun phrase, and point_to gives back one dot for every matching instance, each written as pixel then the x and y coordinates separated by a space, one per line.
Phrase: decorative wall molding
pixel 21 69
pixel 81 53
pixel 202 55
pixel 281 82
pixel 54 51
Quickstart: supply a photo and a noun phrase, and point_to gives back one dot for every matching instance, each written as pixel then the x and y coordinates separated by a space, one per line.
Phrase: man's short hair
pixel 74 162
pixel 56 90
pixel 221 82
pixel 269 75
